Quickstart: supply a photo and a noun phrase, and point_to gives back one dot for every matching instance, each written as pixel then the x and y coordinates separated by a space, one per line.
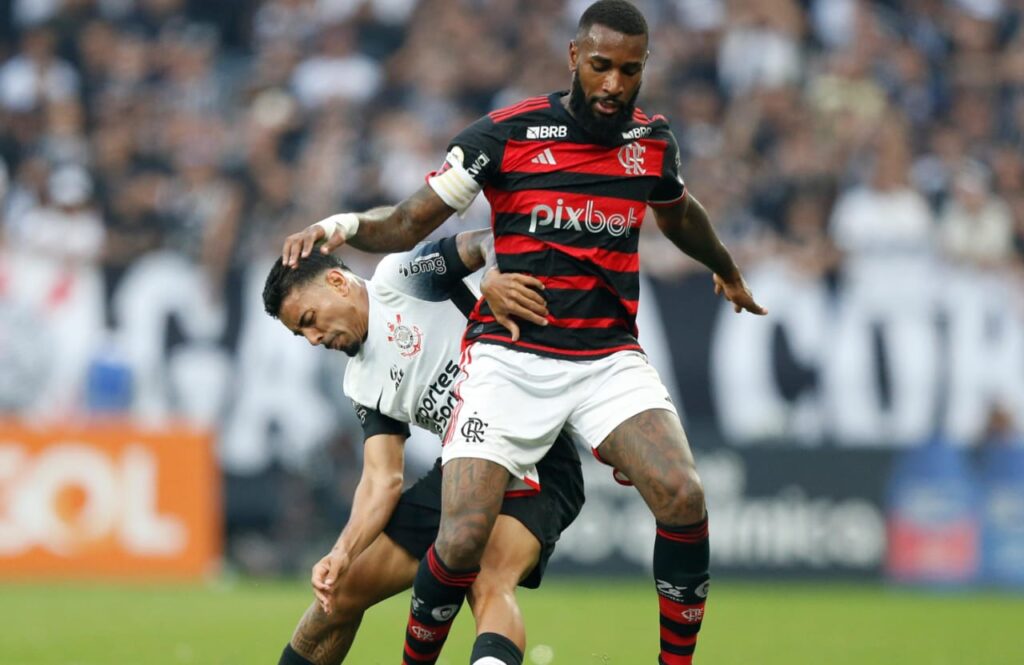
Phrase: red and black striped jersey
pixel 567 211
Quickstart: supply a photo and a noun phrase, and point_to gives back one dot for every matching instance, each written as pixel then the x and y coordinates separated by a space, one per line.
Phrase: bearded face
pixel 602 116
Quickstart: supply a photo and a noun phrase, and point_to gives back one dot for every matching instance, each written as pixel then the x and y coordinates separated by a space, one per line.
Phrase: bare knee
pixel 461 543
pixel 682 498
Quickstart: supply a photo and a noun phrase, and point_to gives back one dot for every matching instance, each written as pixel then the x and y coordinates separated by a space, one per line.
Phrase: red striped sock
pixel 681 559
pixel 437 595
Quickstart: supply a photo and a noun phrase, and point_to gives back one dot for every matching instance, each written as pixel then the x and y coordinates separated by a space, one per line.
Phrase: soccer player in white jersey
pixel 402 330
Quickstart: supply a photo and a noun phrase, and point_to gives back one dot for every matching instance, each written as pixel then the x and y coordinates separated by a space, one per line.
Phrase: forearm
pixel 693 234
pixel 476 249
pixel 385 229
pixel 398 228
pixel 374 501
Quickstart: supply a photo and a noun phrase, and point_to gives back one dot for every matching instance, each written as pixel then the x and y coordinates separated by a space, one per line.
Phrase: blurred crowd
pixel 842 138
pixel 822 131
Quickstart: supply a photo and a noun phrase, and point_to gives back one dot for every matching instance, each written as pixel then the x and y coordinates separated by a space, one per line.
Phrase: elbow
pixel 392 485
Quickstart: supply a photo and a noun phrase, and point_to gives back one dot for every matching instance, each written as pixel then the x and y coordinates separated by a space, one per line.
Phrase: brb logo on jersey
pixel 576 219
pixel 631 156
pixel 549 132
pixel 409 339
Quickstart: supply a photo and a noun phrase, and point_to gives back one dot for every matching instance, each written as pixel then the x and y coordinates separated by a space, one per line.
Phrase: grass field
pixel 590 622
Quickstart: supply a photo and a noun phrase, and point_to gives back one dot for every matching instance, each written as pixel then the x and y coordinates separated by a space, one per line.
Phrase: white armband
pixel 346 222
pixel 455 185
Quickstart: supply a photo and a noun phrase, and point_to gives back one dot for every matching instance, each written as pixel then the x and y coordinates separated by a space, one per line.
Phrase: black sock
pixel 681 557
pixel 291 657
pixel 498 647
pixel 437 595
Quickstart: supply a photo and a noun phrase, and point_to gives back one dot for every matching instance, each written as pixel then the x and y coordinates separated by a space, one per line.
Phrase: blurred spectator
pixel 976 226
pixel 336 71
pixel 761 46
pixel 884 227
pixel 68 228
pixel 36 75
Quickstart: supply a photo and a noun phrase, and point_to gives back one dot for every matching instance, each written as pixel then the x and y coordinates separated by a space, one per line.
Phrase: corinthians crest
pixel 409 339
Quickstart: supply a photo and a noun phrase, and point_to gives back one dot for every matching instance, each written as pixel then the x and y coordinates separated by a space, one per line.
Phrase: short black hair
pixel 283 279
pixel 619 15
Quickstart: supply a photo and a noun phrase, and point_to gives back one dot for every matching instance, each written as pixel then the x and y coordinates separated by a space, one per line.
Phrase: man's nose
pixel 314 337
pixel 612 84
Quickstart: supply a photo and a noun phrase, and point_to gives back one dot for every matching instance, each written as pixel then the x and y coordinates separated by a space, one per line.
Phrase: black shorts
pixel 546 515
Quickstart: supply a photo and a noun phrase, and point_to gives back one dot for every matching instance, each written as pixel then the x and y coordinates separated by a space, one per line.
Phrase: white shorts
pixel 511 405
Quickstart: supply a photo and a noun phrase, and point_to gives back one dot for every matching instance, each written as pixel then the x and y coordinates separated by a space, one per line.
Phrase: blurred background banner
pixel 863 160
pixel 107 501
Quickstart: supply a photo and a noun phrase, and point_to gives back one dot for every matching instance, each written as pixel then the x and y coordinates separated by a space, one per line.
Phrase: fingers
pixel 290 253
pixel 336 240
pixel 531 300
pixel 325 601
pixel 308 240
pixel 509 325
pixel 529 282
pixel 300 245
pixel 323 583
pixel 754 308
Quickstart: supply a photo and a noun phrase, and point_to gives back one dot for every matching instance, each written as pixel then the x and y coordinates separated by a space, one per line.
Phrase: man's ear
pixel 337 279
pixel 574 55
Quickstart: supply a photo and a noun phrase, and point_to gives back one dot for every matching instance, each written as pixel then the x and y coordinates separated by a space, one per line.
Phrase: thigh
pixel 512 552
pixel 509 409
pixel 379 572
pixel 652 450
pixel 616 389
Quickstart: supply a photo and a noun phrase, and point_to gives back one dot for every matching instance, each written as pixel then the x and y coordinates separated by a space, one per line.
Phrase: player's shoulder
pixel 362 382
pixel 642 126
pixel 530 107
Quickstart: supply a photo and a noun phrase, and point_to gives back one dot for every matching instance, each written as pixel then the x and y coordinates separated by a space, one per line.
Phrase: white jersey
pixel 410 359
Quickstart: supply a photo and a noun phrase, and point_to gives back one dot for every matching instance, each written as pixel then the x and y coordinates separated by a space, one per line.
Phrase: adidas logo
pixel 545 157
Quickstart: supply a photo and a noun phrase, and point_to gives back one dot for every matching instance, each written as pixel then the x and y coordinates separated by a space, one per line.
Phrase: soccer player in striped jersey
pixel 569 177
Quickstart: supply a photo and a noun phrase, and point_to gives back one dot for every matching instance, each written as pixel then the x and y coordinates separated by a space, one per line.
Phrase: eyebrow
pixel 601 60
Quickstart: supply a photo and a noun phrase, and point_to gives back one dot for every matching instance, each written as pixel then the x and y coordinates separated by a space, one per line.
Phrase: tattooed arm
pixel 687 225
pixel 384 229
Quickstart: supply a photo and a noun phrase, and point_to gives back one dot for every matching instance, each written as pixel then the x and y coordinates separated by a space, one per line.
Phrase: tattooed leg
pixel 471 496
pixel 380 572
pixel 651 448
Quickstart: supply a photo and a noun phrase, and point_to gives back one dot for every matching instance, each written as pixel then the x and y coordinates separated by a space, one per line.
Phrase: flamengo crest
pixel 631 156
pixel 409 339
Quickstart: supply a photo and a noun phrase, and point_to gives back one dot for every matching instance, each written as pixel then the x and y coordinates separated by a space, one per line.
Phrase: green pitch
pixel 569 622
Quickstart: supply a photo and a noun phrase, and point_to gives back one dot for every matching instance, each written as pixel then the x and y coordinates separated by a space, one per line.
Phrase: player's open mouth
pixel 606 107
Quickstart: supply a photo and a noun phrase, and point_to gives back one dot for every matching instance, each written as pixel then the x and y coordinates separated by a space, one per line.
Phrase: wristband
pixel 346 222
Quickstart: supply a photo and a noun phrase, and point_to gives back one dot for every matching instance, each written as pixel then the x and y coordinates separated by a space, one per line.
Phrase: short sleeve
pixel 430 271
pixel 472 160
pixel 374 422
pixel 670 189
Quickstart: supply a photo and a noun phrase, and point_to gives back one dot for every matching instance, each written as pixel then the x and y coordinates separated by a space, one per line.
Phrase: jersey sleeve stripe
pixel 665 204
pixel 524 106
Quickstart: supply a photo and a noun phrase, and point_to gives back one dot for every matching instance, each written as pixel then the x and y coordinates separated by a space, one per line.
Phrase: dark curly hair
pixel 619 15
pixel 283 279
